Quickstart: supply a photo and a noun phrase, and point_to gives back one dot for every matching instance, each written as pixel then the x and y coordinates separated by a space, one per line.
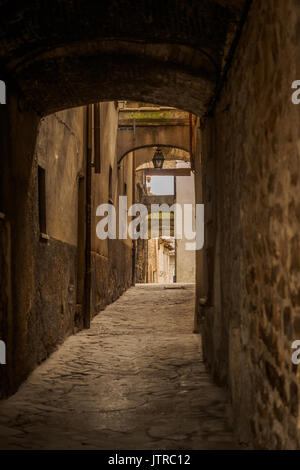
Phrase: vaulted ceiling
pixel 61 53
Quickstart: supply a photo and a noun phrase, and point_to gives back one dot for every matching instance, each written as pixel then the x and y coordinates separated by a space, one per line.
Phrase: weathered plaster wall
pixel 152 260
pixel 141 254
pixel 59 150
pixel 111 259
pixel 185 260
pixel 38 276
pixel 251 167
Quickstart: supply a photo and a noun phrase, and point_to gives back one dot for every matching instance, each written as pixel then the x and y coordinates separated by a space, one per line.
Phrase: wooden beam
pixel 167 171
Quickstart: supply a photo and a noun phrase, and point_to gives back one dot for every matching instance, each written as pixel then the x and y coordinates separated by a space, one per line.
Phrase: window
pixel 125 189
pixel 42 199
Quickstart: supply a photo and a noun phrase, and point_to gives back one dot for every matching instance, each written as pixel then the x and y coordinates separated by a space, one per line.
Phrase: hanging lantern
pixel 158 159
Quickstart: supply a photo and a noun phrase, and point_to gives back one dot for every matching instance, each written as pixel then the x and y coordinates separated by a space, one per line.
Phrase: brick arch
pixel 110 77
pixel 59 54
pixel 153 146
pixel 145 155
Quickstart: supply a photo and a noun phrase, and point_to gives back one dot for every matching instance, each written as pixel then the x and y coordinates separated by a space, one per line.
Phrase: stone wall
pixel 39 303
pixel 18 130
pixel 251 163
pixel 110 276
pixel 141 261
pixel 5 304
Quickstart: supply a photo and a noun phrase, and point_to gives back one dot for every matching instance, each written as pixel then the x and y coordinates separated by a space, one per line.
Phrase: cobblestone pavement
pixel 135 380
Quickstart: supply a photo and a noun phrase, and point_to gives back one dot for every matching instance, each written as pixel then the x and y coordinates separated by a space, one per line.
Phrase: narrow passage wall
pixel 251 177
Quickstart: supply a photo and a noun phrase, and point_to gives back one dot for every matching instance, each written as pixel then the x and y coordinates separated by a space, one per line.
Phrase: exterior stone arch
pixel 144 128
pixel 144 156
pixel 150 147
pixel 60 54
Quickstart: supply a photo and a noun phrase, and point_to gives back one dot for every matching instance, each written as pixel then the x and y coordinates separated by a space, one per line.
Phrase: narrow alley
pixel 150 224
pixel 134 380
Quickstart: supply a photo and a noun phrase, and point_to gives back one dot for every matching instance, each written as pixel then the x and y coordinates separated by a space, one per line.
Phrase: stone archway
pixel 59 54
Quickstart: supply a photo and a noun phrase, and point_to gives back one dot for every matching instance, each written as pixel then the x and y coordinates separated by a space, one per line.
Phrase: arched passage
pixel 142 128
pixel 145 152
pixel 75 53
pixel 57 55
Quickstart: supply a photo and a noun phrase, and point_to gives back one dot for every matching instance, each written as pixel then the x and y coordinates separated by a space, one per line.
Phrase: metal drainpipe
pixel 88 195
pixel 133 202
pixel 192 140
pixel 175 244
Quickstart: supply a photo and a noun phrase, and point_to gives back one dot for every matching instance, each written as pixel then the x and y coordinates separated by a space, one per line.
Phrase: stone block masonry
pixel 251 159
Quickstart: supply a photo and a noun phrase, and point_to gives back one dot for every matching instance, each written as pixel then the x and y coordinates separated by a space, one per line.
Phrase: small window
pixel 125 189
pixel 42 199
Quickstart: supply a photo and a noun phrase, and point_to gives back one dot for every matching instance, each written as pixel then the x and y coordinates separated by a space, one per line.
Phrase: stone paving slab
pixel 135 380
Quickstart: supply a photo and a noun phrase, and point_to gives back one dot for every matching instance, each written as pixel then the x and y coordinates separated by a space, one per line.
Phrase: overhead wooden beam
pixel 167 171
